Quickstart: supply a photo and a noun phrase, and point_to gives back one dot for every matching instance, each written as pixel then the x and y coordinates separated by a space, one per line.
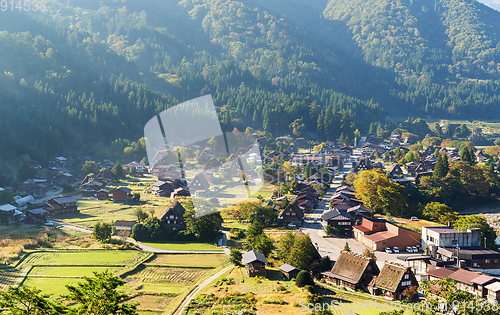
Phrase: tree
pixel 440 170
pixel 285 244
pixel 332 230
pixel 25 172
pixel 24 300
pixel 390 198
pixel 90 167
pixel 307 170
pixel 99 295
pixel 451 295
pixel 410 293
pixel 102 231
pixel 347 248
pixel 478 221
pixel 298 127
pixel 140 232
pixel 118 170
pixel 284 188
pixel 263 244
pixel 434 210
pixel 140 214
pixel 253 232
pixel 302 252
pixel 205 226
pixel 136 198
pixel 369 253
pixel 304 278
pixel 235 257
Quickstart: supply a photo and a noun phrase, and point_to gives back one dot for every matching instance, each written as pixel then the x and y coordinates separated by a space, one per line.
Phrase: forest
pixel 82 75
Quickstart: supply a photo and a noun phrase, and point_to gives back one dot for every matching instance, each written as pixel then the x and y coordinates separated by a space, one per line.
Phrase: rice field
pixel 189 260
pixel 70 272
pixel 86 258
pixel 175 275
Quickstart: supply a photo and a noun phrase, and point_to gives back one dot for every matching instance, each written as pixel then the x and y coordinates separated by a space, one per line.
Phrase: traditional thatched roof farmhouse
pixel 392 280
pixel 352 271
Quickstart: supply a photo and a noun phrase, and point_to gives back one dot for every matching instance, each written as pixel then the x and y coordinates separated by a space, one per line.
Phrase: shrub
pixel 310 289
pixel 304 278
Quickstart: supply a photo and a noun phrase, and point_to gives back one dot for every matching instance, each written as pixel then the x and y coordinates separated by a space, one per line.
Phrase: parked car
pixel 395 249
pixel 49 224
pixel 415 249
pixel 409 249
pixel 388 250
pixel 291 225
pixel 414 218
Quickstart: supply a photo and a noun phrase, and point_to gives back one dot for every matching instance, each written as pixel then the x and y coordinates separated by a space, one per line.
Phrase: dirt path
pixel 192 294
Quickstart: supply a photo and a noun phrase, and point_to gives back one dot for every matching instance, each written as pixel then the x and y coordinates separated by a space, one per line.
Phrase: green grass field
pixel 51 286
pixel 184 246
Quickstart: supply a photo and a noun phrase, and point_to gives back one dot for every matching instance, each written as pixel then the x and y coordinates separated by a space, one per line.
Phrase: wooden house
pixel 392 280
pixel 394 170
pixel 173 217
pixel 352 271
pixel 255 264
pixel 292 214
pixel 339 219
pixel 102 194
pixel 61 205
pixel 122 194
pixel 411 167
pixel 162 188
pixel 289 272
pixel 179 192
pixel 34 215
pixel 199 182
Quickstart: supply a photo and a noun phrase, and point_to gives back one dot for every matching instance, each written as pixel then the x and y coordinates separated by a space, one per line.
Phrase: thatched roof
pixel 176 208
pixel 390 276
pixel 350 267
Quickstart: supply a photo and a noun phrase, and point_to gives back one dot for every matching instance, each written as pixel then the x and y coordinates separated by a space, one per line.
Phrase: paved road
pixel 196 290
pixel 142 246
pixel 332 246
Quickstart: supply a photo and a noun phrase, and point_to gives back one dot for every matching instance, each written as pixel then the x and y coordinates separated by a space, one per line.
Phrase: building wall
pixel 469 238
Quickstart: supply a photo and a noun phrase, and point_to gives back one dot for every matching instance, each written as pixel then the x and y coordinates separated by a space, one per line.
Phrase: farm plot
pixel 70 272
pixel 175 275
pixel 152 303
pixel 10 276
pixel 86 258
pixel 189 260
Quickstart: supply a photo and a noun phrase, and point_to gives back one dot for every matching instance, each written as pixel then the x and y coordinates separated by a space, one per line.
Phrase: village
pixel 306 217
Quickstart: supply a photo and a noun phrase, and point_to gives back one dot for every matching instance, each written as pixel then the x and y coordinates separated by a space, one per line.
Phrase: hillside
pixel 80 74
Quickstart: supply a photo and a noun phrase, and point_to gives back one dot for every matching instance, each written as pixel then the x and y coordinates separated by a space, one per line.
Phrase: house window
pixel 407 276
pixel 405 283
pixel 168 221
pixel 487 261
pixel 496 261
pixel 171 216
pixel 384 243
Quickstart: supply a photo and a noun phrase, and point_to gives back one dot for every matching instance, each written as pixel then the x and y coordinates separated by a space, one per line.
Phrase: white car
pixel 415 249
pixel 388 250
pixel 414 218
pixel 291 225
pixel 409 249
pixel 395 249
pixel 49 224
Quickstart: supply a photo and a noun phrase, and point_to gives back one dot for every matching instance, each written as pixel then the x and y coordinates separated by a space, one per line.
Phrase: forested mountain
pixel 85 72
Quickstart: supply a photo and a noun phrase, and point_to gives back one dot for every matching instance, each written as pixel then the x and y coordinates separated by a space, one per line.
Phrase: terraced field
pixel 158 281
pixel 85 258
pixel 175 275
